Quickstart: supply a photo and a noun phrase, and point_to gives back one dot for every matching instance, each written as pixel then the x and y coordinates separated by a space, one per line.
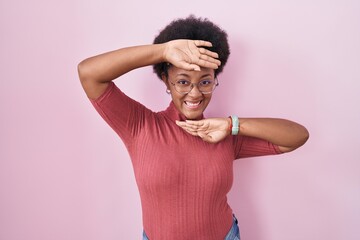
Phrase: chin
pixel 193 116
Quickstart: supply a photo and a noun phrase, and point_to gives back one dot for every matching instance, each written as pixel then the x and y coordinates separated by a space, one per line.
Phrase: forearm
pixel 286 134
pixel 96 72
pixel 109 66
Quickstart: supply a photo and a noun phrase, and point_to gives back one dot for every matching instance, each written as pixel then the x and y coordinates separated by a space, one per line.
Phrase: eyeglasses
pixel 204 86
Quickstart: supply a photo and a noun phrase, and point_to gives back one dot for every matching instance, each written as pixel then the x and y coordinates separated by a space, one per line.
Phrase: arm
pixel 286 134
pixel 96 72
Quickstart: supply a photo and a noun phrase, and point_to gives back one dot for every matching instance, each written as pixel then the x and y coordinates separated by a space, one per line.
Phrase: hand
pixel 211 130
pixel 190 54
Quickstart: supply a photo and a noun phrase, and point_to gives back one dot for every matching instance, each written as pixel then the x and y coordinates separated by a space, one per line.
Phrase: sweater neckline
pixel 174 114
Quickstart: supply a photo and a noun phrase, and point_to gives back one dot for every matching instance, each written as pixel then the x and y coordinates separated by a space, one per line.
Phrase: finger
pixel 208 53
pixel 194 122
pixel 195 67
pixel 187 128
pixel 194 133
pixel 188 66
pixel 203 127
pixel 206 64
pixel 198 125
pixel 192 127
pixel 209 60
pixel 202 43
pixel 180 123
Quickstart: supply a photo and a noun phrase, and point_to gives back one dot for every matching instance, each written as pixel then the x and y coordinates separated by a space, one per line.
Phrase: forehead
pixel 175 72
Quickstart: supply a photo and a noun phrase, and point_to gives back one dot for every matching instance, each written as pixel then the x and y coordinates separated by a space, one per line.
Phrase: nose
pixel 195 92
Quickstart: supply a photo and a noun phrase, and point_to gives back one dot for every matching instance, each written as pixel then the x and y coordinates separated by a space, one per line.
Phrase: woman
pixel 183 163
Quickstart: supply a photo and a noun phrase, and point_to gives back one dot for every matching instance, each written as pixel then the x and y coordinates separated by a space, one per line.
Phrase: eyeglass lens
pixel 205 86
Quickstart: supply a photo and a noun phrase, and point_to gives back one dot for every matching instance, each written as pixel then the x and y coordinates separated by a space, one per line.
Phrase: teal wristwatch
pixel 235 125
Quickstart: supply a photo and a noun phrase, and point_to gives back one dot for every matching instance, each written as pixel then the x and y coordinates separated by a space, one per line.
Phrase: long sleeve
pixel 253 147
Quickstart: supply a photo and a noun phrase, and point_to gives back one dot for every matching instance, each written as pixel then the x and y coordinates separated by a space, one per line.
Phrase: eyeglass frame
pixel 192 86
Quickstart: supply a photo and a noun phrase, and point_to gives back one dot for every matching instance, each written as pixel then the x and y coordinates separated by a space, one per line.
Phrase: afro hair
pixel 194 29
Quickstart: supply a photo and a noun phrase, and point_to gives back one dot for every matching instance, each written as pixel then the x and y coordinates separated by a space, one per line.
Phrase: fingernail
pixel 197 69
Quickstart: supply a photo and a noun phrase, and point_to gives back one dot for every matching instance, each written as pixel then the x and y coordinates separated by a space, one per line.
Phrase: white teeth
pixel 192 104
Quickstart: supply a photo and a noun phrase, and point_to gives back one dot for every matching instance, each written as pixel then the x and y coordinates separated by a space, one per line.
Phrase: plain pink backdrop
pixel 65 175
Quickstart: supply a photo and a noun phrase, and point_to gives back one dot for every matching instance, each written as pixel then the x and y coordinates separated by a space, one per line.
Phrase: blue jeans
pixel 233 234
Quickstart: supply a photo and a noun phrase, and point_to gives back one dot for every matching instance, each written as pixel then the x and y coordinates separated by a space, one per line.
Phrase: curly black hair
pixel 194 29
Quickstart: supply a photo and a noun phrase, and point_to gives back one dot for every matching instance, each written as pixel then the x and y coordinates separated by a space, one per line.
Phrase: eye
pixel 206 82
pixel 183 82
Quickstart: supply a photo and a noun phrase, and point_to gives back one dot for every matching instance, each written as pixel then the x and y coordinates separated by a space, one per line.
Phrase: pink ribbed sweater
pixel 182 180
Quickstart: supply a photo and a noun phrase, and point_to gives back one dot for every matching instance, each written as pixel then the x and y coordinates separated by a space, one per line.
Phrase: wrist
pixel 164 49
pixel 229 126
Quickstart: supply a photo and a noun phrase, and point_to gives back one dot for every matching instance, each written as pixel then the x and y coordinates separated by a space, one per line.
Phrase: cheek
pixel 208 98
pixel 176 96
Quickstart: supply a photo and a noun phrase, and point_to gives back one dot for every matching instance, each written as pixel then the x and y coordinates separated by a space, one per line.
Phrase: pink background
pixel 65 175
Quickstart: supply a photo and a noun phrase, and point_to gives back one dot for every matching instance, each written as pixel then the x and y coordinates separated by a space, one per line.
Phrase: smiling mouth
pixel 193 104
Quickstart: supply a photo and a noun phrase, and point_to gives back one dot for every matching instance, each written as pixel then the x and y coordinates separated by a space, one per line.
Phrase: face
pixel 194 103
